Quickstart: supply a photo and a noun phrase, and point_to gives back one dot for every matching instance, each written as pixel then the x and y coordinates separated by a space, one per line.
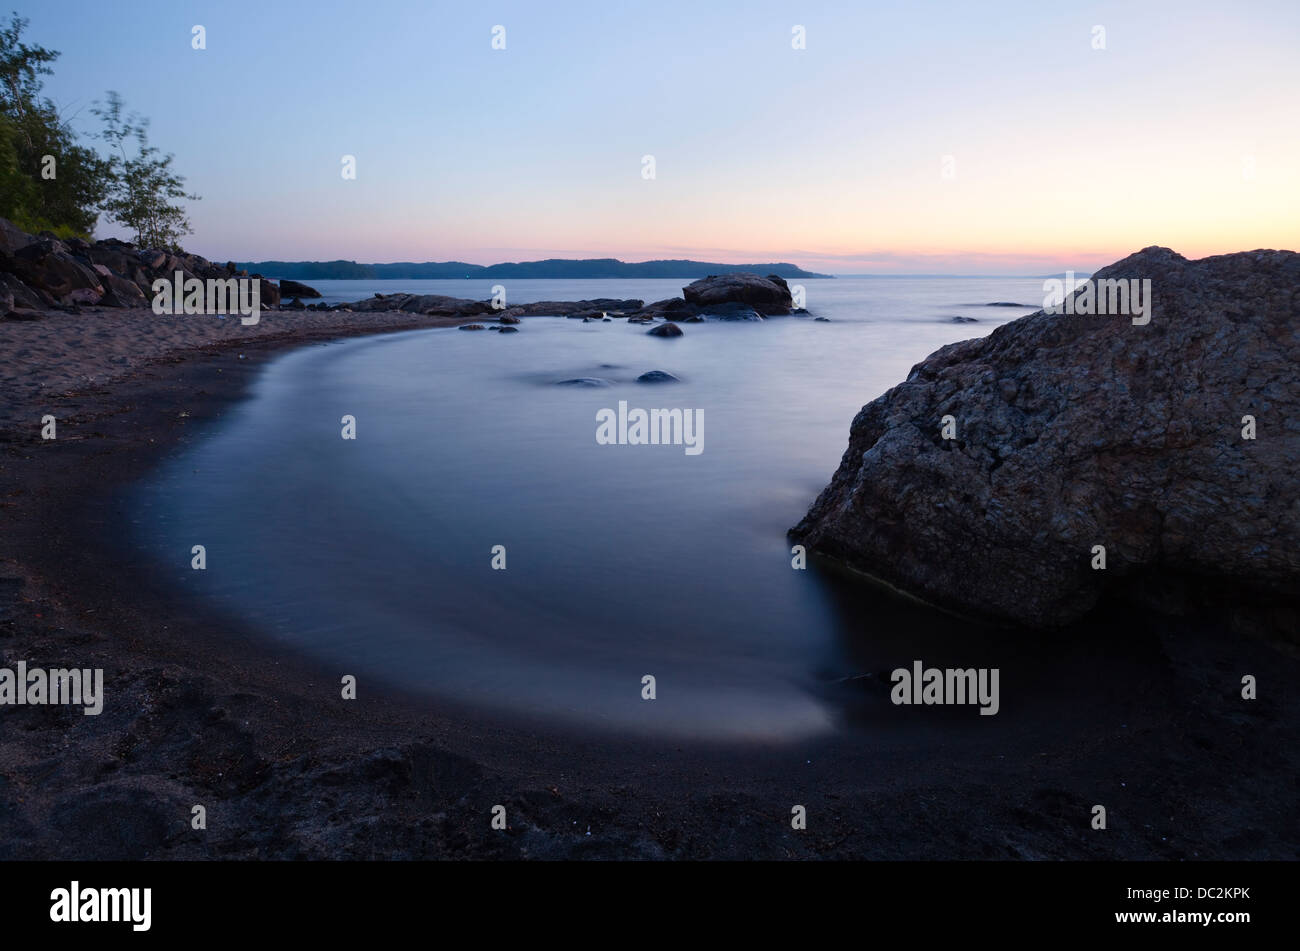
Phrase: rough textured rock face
pixel 12 237
pixel 49 266
pixel 1075 431
pixel 46 272
pixel 119 292
pixel 767 295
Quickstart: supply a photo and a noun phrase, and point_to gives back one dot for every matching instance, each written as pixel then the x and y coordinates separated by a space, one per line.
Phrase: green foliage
pixel 142 186
pixel 49 182
pixel 17 190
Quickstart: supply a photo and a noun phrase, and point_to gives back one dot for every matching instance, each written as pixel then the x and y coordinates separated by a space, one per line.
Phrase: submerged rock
pixel 734 311
pixel 1073 432
pixel 964 320
pixel 509 330
pixel 473 327
pixel 657 376
pixel 665 330
pixel 584 381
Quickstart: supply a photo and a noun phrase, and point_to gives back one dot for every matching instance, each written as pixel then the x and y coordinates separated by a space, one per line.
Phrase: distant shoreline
pixel 555 269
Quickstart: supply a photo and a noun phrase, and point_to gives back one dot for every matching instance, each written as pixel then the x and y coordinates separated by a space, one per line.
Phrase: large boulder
pixel 118 256
pixel 732 311
pixel 119 292
pixel 23 296
pixel 12 237
pixel 1073 432
pixel 294 289
pixel 48 265
pixel 767 295
pixel 674 308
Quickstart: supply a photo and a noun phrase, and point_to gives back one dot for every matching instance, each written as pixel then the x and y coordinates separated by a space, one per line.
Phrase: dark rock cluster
pixel 43 272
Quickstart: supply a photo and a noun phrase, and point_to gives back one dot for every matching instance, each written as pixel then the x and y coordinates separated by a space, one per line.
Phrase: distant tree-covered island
pixel 550 268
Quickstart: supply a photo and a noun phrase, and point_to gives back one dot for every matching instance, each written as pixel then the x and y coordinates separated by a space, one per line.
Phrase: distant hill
pixel 550 268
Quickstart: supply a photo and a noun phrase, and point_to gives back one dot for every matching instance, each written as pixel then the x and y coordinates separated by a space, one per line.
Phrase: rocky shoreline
pixel 199 710
pixel 41 274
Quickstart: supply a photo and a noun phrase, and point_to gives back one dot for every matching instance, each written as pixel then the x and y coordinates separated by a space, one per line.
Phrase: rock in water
pixel 1078 431
pixel 665 330
pixel 733 311
pixel 657 376
pixel 767 295
pixel 294 289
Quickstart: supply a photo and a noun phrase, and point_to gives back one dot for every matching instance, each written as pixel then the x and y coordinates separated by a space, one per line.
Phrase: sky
pixel 993 138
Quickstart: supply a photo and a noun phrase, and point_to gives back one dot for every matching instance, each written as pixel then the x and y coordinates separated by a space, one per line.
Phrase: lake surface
pixel 622 561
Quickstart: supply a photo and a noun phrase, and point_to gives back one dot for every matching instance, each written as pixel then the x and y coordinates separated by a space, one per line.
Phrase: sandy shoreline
pixel 199 711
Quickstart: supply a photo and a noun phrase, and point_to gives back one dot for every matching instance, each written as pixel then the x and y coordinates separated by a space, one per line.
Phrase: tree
pixel 142 187
pixel 49 181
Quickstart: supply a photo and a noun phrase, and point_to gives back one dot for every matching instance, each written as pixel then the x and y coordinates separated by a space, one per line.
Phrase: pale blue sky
pixel 1063 155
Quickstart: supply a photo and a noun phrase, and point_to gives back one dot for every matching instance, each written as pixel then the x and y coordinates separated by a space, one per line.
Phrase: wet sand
pixel 200 711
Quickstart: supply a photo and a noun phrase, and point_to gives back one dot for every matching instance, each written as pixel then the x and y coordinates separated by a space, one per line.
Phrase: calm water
pixel 622 560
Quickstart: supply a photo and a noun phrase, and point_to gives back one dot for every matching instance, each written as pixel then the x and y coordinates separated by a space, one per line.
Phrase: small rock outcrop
pixel 294 289
pixel 44 272
pixel 767 295
pixel 665 330
pixel 1071 434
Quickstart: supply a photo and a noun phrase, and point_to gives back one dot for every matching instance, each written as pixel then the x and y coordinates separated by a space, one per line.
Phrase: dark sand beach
pixel 201 711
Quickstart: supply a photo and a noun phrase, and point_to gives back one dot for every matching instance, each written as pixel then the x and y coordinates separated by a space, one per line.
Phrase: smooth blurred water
pixel 622 561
